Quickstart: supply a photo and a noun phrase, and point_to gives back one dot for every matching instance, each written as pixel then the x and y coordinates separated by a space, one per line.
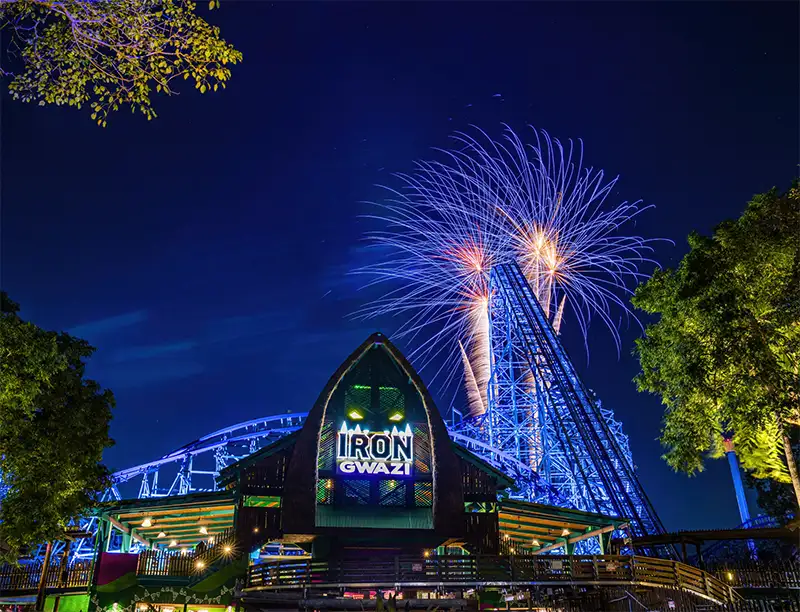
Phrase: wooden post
pixel 126 541
pixel 698 547
pixel 107 543
pixel 64 577
pixel 40 595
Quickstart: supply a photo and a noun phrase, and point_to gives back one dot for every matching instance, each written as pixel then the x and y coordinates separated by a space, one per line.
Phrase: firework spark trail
pixel 488 203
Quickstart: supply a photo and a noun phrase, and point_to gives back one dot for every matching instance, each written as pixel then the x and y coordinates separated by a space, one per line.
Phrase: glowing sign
pixel 374 452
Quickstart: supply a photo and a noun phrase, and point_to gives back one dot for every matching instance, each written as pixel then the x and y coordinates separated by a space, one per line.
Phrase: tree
pixel 53 431
pixel 724 353
pixel 776 498
pixel 108 55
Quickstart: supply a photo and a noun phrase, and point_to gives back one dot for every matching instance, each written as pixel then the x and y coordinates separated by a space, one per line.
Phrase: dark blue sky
pixel 194 250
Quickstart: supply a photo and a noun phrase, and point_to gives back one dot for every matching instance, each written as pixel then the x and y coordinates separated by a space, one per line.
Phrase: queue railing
pixel 26 577
pixel 477 570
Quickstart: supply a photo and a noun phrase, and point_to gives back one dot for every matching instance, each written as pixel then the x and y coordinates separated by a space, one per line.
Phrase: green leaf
pixel 117 74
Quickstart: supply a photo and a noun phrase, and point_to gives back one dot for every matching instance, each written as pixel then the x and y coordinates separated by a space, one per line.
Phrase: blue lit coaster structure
pixel 540 413
pixel 541 426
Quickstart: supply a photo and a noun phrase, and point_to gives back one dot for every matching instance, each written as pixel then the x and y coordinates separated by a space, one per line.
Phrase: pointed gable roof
pixel 299 506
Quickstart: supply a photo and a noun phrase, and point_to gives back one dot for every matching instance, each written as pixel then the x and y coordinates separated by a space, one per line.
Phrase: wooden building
pixel 370 497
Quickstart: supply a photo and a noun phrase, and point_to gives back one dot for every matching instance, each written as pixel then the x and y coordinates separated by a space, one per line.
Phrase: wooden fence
pixel 222 548
pixel 166 563
pixel 755 575
pixel 477 570
pixel 20 578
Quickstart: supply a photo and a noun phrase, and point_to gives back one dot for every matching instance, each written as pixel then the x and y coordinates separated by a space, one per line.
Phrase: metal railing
pixel 20 578
pixel 485 570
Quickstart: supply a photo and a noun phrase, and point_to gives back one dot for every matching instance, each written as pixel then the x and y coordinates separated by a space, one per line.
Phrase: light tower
pixel 736 475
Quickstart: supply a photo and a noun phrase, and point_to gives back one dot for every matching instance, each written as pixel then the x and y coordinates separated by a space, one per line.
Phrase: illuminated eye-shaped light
pixel 397 416
pixel 355 415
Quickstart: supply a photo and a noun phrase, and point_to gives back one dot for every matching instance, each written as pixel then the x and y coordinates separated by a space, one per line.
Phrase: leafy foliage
pixel 724 354
pixel 107 55
pixel 53 430
pixel 776 498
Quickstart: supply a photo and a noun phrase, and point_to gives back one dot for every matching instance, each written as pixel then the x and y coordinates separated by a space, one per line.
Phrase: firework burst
pixel 488 203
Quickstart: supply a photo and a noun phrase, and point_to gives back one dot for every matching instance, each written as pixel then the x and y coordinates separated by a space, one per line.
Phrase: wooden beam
pixel 183 518
pixel 128 531
pixel 516 518
pixel 574 539
pixel 177 533
pixel 175 511
pixel 531 529
pixel 156 527
pixel 540 510
pixel 528 538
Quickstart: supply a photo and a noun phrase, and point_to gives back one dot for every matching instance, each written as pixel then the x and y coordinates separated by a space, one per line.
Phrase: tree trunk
pixel 792 465
pixel 41 593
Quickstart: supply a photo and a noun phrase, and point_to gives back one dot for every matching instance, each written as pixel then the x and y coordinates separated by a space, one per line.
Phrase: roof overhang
pixel 185 520
pixel 538 528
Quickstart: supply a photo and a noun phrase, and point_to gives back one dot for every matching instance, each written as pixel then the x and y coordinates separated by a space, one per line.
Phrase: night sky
pixel 195 250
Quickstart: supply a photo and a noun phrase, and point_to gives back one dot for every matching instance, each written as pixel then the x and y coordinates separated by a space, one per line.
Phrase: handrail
pixel 496 570
pixel 156 562
pixel 222 546
pixel 15 578
pixel 759 574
